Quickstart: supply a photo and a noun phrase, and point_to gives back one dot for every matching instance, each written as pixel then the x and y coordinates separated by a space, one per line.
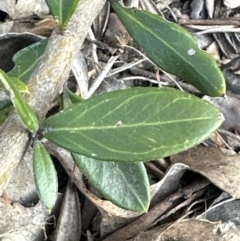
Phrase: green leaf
pixel 125 184
pixel 70 98
pixel 45 175
pixel 134 124
pixel 4 113
pixel 173 49
pixel 27 59
pixel 62 10
pixel 21 86
pixel 25 111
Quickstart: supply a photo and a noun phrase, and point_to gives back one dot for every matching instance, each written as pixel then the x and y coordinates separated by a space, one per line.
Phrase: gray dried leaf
pixel 69 221
pixel 230 107
pixel 213 51
pixel 197 9
pixel 222 170
pixel 116 34
pixel 232 3
pixel 100 22
pixel 169 184
pixel 190 229
pixel 225 211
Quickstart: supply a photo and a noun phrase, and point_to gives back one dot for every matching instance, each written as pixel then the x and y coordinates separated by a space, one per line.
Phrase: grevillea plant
pixel 111 135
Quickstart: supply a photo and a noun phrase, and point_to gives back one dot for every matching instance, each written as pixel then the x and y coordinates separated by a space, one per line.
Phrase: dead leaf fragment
pixel 230 107
pixel 225 211
pixel 222 170
pixel 69 221
pixel 116 34
pixel 185 230
pixel 169 184
pixel 232 3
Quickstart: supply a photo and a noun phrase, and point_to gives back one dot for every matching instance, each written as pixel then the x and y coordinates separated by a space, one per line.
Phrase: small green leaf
pixel 70 98
pixel 4 113
pixel 134 124
pixel 125 184
pixel 62 10
pixel 24 110
pixel 27 59
pixel 45 175
pixel 21 86
pixel 173 49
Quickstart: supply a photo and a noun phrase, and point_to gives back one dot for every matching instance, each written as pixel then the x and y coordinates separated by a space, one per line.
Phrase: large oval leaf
pixel 125 184
pixel 45 175
pixel 173 49
pixel 134 124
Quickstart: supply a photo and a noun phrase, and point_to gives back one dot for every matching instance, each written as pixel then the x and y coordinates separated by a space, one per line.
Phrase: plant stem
pixel 44 85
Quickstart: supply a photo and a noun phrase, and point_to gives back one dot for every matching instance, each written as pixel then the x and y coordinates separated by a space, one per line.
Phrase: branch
pixel 44 85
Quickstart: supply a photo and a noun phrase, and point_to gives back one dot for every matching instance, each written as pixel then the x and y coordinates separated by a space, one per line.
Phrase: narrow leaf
pixel 62 10
pixel 27 59
pixel 25 111
pixel 45 175
pixel 134 124
pixel 20 86
pixel 124 183
pixel 173 49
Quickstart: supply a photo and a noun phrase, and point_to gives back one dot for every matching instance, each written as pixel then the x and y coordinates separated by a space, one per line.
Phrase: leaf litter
pixel 172 193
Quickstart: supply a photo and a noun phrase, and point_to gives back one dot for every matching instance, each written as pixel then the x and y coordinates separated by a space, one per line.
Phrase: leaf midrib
pixel 149 30
pixel 151 124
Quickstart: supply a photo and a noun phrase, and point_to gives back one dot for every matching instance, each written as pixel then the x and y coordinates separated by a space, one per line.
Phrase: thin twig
pixel 143 222
pixel 214 21
pixel 101 77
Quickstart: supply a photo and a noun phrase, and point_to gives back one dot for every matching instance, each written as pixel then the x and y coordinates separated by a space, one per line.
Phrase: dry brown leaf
pixel 188 230
pixel 116 34
pixel 112 216
pixel 226 211
pixel 169 184
pixel 230 107
pixel 69 221
pixel 222 170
